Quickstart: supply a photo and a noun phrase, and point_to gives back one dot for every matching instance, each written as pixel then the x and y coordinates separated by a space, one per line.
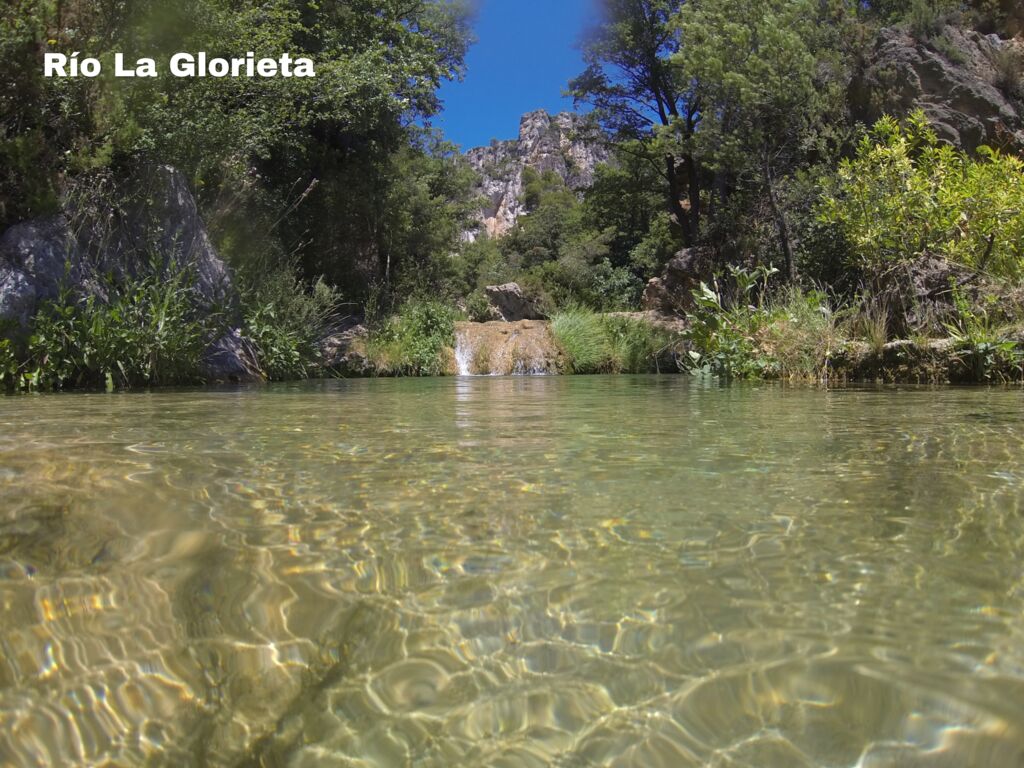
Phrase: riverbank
pixel 585 343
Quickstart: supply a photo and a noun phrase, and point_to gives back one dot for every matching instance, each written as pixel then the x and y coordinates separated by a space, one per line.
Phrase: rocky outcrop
pixel 511 304
pixel 154 226
pixel 505 349
pixel 149 226
pixel 343 353
pixel 231 359
pixel 563 144
pixel 672 292
pixel 956 77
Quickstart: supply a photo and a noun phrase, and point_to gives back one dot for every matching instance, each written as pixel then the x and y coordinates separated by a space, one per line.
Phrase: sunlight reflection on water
pixel 513 571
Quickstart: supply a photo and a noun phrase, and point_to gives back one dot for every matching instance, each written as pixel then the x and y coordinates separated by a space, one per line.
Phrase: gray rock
pixel 954 81
pixel 564 144
pixel 344 352
pixel 231 358
pixel 153 224
pixel 512 304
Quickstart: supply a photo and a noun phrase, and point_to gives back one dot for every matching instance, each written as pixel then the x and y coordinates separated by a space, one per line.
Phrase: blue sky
pixel 524 58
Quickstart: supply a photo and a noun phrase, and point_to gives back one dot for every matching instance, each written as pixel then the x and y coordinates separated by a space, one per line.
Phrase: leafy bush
pixel 145 333
pixel 9 366
pixel 478 307
pixel 417 342
pixel 905 194
pixel 722 337
pixel 927 17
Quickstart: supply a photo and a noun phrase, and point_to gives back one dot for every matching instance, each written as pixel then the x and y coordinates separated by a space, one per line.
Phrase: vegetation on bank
pixel 144 332
pixel 596 343
pixel 730 126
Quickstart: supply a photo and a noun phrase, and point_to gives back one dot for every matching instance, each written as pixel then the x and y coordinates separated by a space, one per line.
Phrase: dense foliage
pixel 330 169
pixel 730 128
pixel 904 194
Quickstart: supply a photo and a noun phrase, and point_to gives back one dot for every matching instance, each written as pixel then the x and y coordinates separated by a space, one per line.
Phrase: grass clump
pixel 418 341
pixel 800 334
pixel 285 322
pixel 581 335
pixel 595 343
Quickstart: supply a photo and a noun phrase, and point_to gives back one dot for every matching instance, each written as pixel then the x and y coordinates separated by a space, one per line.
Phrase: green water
pixel 631 571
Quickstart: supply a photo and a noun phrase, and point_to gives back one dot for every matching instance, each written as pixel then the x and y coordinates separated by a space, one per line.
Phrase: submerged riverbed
pixel 634 571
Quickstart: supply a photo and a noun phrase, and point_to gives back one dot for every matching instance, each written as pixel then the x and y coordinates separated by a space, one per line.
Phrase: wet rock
pixel 504 348
pixel 672 292
pixel 231 359
pixel 344 351
pixel 953 77
pixel 511 304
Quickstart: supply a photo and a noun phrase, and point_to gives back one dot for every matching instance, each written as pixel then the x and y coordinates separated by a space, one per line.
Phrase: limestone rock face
pixel 344 352
pixel 149 226
pixel 562 143
pixel 511 304
pixel 232 358
pixel 954 78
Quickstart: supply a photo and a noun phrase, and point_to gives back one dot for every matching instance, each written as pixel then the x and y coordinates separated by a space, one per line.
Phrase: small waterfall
pixel 463 354
pixel 523 348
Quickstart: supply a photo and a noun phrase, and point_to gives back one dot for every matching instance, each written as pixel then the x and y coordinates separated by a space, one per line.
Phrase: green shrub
pixel 478 307
pixel 905 194
pixel 416 342
pixel 1009 66
pixel 10 369
pixel 145 333
pixel 926 18
pixel 721 338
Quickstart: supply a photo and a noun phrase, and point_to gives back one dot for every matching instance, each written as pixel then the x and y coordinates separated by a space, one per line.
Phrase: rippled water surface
pixel 513 572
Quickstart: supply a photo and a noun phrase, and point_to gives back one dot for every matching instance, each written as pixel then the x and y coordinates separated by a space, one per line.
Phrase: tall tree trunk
pixel 780 220
pixel 675 194
pixel 693 190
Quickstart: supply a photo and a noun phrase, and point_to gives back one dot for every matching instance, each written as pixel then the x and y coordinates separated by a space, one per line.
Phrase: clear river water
pixel 564 571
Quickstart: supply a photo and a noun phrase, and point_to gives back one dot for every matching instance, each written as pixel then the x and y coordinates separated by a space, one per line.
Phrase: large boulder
pixel 232 359
pixel 36 258
pixel 152 226
pixel 145 225
pixel 512 304
pixel 954 77
pixel 672 292
pixel 344 352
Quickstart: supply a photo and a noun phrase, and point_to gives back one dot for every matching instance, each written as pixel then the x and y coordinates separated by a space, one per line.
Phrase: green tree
pixel 641 94
pixel 769 87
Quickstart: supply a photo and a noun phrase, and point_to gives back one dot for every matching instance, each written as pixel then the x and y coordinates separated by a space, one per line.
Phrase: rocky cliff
pixel 967 83
pixel 562 143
